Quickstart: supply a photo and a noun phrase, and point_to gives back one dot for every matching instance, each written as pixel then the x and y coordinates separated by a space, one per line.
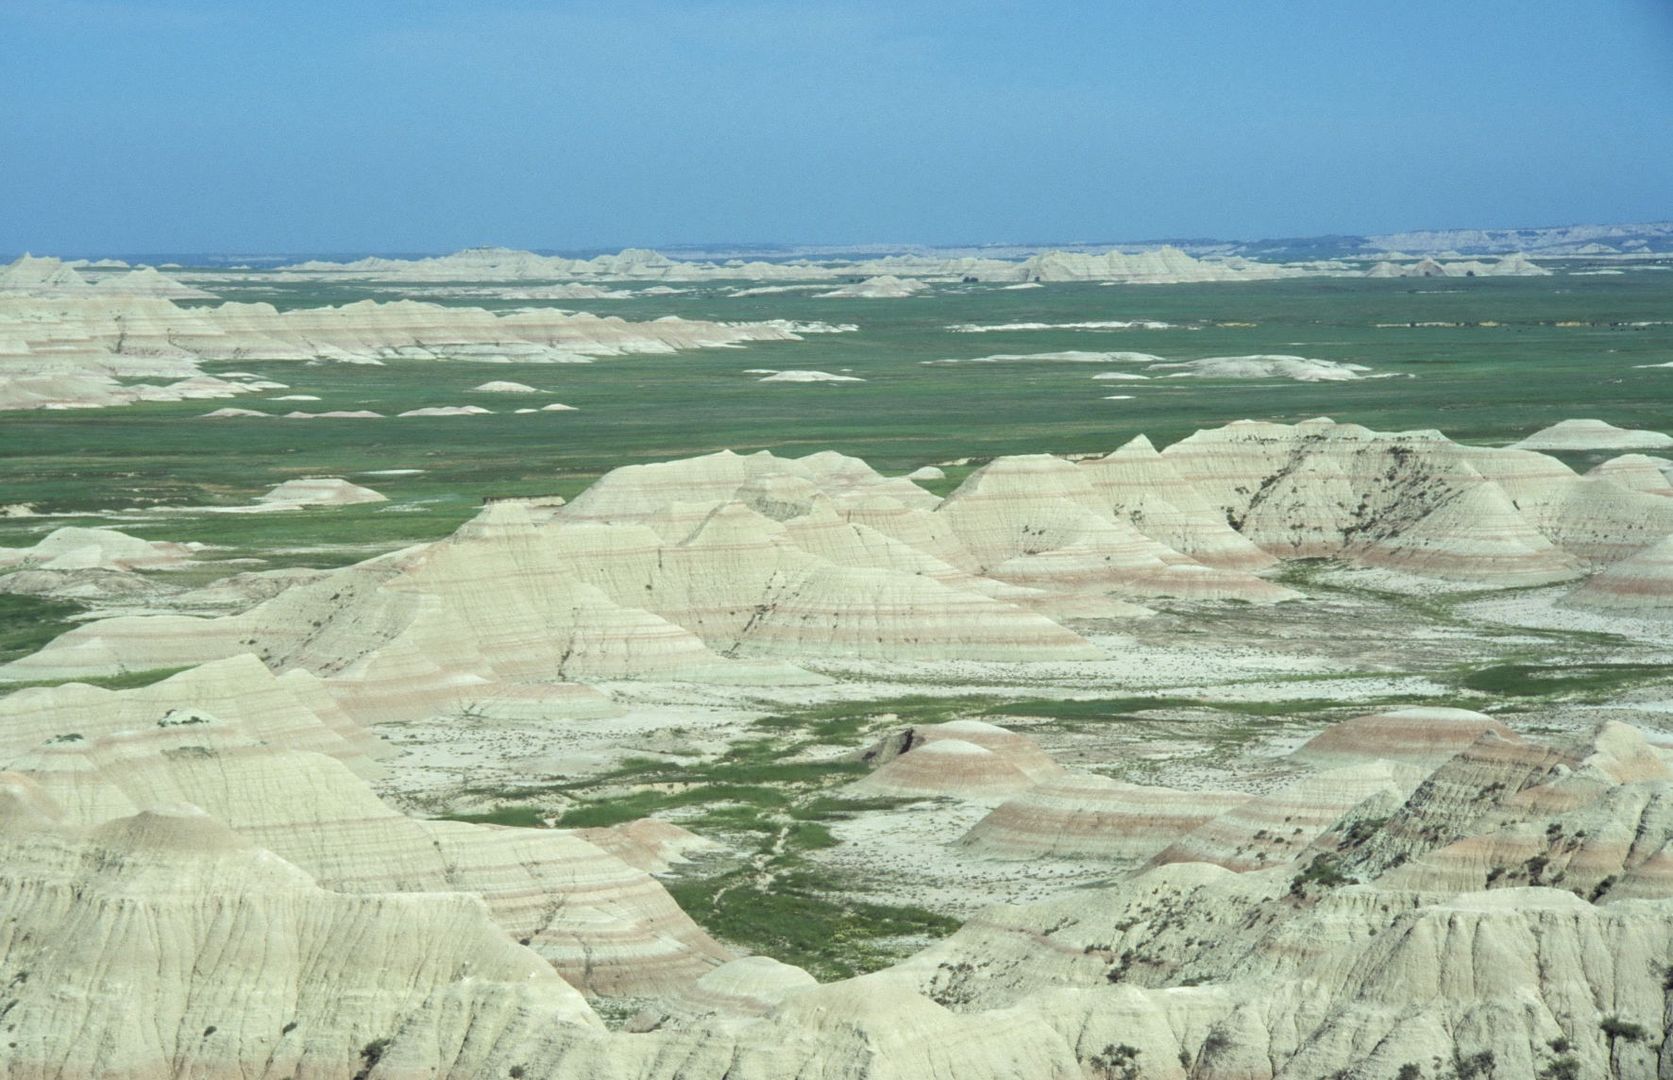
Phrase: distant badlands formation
pixel 198 878
pixel 66 343
pixel 1161 266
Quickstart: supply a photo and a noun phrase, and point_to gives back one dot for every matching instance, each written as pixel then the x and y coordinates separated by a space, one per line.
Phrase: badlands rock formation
pixel 1445 917
pixel 320 491
pixel 1410 736
pixel 1516 264
pixel 884 287
pixel 64 344
pixel 278 761
pixel 1639 585
pixel 808 377
pixel 199 878
pixel 1592 435
pixel 76 548
pixel 1164 265
pixel 503 386
pixel 1415 501
pixel 1080 815
pixel 960 759
pixel 1298 368
pixel 737 567
pixel 1640 472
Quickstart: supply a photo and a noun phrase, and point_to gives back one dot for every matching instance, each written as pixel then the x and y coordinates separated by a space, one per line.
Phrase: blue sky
pixel 215 126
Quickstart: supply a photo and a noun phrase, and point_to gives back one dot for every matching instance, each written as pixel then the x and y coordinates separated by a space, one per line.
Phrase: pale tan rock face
pixel 1078 815
pixel 1637 472
pixel 1639 585
pixel 1040 522
pixel 64 344
pixel 1421 736
pixel 1592 435
pixel 734 567
pixel 1139 484
pixel 1415 501
pixel 320 491
pixel 275 760
pixel 1438 887
pixel 165 944
pixel 1273 829
pixel 1468 937
pixel 77 548
pixel 947 767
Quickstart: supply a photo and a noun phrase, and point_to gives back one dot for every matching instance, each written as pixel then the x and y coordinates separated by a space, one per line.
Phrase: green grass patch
pixel 845 720
pixel 801 918
pixel 127 680
pixel 522 817
pixel 1089 708
pixel 614 810
pixel 836 808
pixel 1533 680
pixel 28 623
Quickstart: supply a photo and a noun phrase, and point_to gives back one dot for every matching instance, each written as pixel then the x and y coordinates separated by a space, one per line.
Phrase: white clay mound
pixel 1592 435
pixel 77 548
pixel 884 287
pixel 448 410
pixel 320 491
pixel 808 377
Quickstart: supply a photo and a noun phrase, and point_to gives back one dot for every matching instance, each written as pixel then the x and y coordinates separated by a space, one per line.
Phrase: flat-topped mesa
pixel 1163 265
pixel 1083 816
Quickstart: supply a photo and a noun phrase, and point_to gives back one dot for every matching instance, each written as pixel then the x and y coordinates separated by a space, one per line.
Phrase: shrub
pixel 1117 1062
